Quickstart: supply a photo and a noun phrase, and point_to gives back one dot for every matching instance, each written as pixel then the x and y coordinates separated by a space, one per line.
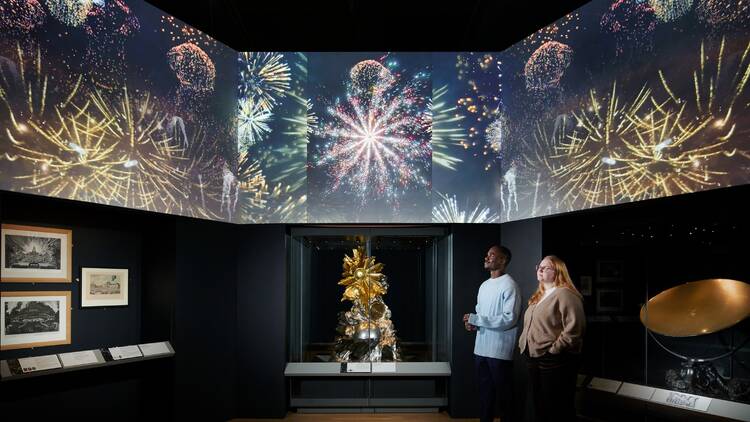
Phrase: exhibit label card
pixel 152 349
pixel 636 391
pixel 382 367
pixel 86 357
pixel 39 363
pixel 125 352
pixel 603 384
pixel 358 367
pixel 684 400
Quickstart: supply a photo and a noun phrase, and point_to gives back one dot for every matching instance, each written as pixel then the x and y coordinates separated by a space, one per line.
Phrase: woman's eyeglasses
pixel 543 268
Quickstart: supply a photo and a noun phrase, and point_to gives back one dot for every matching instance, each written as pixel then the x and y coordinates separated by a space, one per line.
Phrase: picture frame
pixel 104 287
pixel 610 300
pixel 610 271
pixel 31 254
pixel 586 285
pixel 34 319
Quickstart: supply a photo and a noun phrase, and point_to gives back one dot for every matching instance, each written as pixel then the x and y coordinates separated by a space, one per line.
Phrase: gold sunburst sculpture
pixel 362 277
pixel 366 332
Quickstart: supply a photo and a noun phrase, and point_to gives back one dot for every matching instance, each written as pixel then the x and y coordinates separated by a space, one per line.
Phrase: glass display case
pixel 404 293
pixel 622 257
pixel 369 311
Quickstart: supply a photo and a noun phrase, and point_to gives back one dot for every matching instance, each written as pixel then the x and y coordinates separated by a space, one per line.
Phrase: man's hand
pixel 468 326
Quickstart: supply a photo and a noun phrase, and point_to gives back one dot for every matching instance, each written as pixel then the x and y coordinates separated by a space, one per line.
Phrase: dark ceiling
pixel 385 25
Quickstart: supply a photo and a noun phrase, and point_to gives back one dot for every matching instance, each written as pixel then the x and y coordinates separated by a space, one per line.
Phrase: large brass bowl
pixel 698 307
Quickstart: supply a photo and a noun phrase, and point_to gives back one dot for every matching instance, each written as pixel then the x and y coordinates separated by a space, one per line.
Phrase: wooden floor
pixel 358 417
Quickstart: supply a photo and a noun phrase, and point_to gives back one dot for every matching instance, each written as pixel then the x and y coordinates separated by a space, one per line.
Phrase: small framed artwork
pixel 609 271
pixel 104 287
pixel 609 300
pixel 35 254
pixel 34 319
pixel 586 285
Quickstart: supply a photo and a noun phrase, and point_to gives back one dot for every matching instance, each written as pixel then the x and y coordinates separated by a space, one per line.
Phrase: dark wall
pixel 206 320
pixel 159 273
pixel 261 321
pixel 524 239
pixel 470 245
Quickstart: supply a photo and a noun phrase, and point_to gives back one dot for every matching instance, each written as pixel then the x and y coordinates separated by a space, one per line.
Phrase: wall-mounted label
pixel 636 391
pixel 603 384
pixel 356 367
pixel 86 357
pixel 684 400
pixel 152 349
pixel 383 367
pixel 125 352
pixel 39 363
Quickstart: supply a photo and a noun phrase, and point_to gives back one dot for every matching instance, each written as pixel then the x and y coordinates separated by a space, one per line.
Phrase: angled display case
pixel 667 297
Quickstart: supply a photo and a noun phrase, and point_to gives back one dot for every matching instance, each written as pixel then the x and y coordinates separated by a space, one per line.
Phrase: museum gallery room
pixel 375 211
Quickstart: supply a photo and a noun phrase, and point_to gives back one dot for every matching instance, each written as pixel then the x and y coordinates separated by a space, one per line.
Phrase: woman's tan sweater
pixel 554 325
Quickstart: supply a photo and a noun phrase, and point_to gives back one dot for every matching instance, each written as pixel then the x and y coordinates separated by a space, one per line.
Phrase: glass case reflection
pixel 367 295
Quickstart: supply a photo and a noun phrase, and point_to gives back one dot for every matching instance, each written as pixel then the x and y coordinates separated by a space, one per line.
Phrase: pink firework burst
pixel 377 145
pixel 632 23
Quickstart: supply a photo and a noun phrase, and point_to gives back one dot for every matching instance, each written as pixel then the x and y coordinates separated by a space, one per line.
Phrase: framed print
pixel 34 319
pixel 609 300
pixel 609 271
pixel 35 254
pixel 104 287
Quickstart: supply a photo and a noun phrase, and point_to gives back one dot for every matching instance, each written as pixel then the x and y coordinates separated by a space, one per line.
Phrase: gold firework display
pixel 111 146
pixel 366 331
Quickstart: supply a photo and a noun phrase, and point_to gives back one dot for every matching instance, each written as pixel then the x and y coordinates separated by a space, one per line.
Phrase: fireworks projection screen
pixel 114 102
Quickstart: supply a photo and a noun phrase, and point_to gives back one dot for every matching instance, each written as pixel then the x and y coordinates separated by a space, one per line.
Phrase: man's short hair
pixel 506 253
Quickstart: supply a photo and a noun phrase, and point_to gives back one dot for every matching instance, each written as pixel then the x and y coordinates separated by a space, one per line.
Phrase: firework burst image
pixel 374 142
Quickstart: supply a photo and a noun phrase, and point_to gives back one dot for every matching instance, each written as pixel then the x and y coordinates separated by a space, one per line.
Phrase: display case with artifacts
pixel 387 311
pixel 698 309
pixel 369 311
pixel 678 334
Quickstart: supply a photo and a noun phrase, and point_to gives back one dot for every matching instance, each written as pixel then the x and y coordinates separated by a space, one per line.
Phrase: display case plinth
pixel 413 387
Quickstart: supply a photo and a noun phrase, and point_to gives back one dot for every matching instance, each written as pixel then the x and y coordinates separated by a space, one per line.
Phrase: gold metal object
pixel 368 332
pixel 697 308
pixel 362 277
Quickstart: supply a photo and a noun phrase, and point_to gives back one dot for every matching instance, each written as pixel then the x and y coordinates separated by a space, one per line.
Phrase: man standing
pixel 498 306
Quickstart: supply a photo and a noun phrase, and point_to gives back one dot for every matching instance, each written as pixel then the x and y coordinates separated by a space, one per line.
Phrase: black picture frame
pixel 610 300
pixel 610 271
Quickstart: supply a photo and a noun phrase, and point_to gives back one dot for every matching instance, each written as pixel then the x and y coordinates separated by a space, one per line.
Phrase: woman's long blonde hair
pixel 562 279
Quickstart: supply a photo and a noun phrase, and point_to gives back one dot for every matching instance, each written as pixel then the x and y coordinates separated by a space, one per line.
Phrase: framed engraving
pixel 609 300
pixel 104 287
pixel 35 254
pixel 609 271
pixel 34 319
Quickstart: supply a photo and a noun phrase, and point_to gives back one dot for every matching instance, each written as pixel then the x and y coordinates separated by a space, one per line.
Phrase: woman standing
pixel 551 340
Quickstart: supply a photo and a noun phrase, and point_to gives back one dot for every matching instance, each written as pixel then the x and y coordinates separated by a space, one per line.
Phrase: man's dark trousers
pixel 495 381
